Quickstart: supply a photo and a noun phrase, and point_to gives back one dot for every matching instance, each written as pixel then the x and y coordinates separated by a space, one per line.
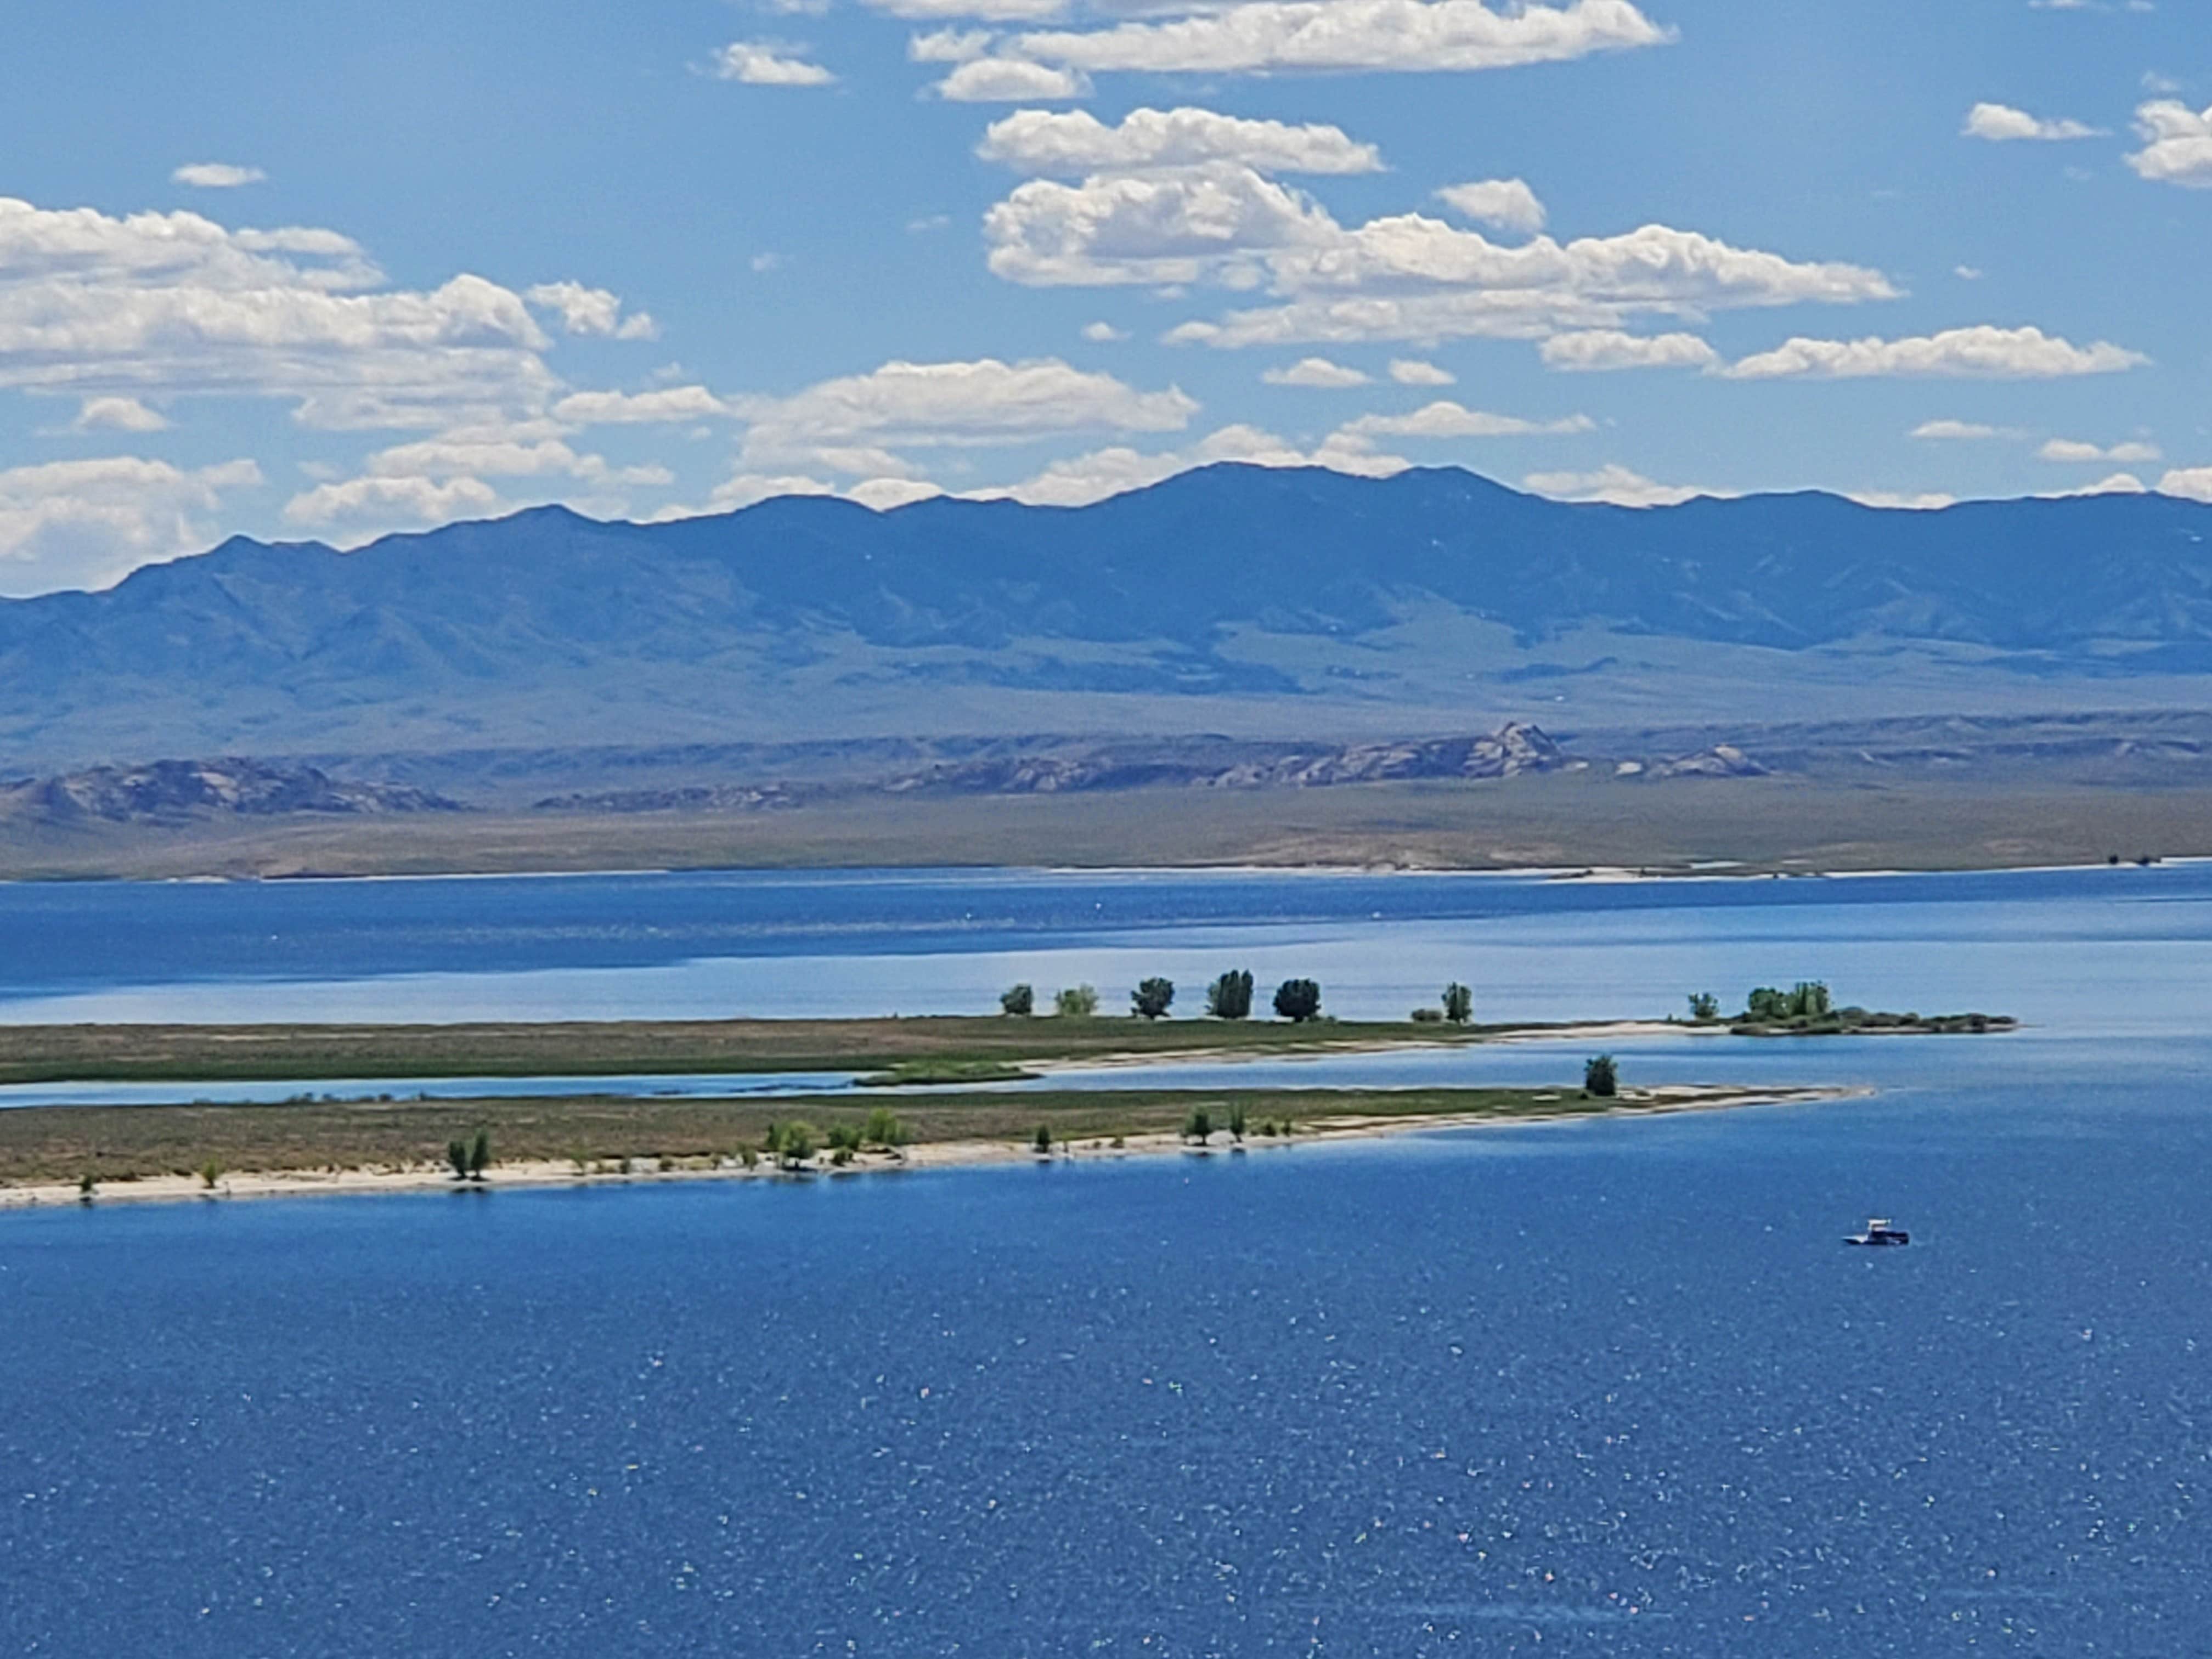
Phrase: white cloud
pixel 1275 36
pixel 1316 371
pixel 1959 431
pixel 373 505
pixel 770 64
pixel 2002 124
pixel 675 403
pixel 1611 483
pixel 1982 352
pixel 2120 484
pixel 848 424
pixel 2191 483
pixel 991 11
pixel 1411 371
pixel 2178 147
pixel 1508 203
pixel 167 305
pixel 762 263
pixel 89 523
pixel 1078 480
pixel 947 46
pixel 1967 273
pixel 2069 449
pixel 1010 81
pixel 590 311
pixel 116 415
pixel 1074 142
pixel 1901 500
pixel 466 454
pixel 1408 277
pixel 1589 350
pixel 217 175
pixel 1103 333
pixel 1447 419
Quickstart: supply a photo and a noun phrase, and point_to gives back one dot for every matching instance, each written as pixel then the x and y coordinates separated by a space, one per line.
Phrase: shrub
pixel 1600 1077
pixel 457 1154
pixel 480 1154
pixel 1076 1002
pixel 210 1173
pixel 87 1184
pixel 750 1158
pixel 1041 1140
pixel 884 1130
pixel 1459 1003
pixel 841 1157
pixel 794 1144
pixel 1152 997
pixel 1229 997
pixel 1428 1015
pixel 1237 1121
pixel 1705 1005
pixel 844 1138
pixel 1198 1126
pixel 1018 1000
pixel 1298 1001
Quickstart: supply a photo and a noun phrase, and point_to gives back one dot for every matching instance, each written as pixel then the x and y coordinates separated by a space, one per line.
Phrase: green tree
pixel 1076 1002
pixel 1041 1140
pixel 480 1154
pixel 1600 1077
pixel 1459 1003
pixel 1298 1001
pixel 210 1175
pixel 1237 1121
pixel 794 1144
pixel 1766 1003
pixel 1705 1005
pixel 1229 997
pixel 457 1154
pixel 884 1129
pixel 1152 997
pixel 1198 1126
pixel 1018 999
pixel 1808 999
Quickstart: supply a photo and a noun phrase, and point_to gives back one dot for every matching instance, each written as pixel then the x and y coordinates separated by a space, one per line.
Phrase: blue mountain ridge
pixel 1138 593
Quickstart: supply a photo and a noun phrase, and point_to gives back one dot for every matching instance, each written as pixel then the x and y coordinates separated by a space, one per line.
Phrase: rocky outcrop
pixel 179 790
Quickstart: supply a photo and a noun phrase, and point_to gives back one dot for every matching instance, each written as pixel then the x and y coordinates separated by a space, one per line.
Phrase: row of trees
pixel 1807 999
pixel 1229 997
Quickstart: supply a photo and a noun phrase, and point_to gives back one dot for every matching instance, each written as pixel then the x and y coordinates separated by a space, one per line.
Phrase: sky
pixel 323 273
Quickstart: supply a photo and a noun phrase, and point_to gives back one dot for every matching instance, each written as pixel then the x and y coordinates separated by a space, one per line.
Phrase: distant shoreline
pixel 538 1174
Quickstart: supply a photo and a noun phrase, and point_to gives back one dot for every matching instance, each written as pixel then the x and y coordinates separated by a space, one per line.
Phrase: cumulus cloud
pixel 1978 353
pixel 1589 350
pixel 377 503
pixel 1317 372
pixel 167 305
pixel 2120 484
pixel 87 523
pixel 1611 483
pixel 217 175
pixel 947 46
pixel 1407 278
pixel 2178 145
pixel 1447 419
pixel 1266 36
pixel 2069 449
pixel 1508 203
pixel 1959 431
pixel 990 11
pixel 116 415
pixel 849 424
pixel 1103 333
pixel 466 453
pixel 770 64
pixel 2002 124
pixel 2190 483
pixel 1074 142
pixel 1411 371
pixel 1078 480
pixel 590 311
pixel 675 403
pixel 1010 80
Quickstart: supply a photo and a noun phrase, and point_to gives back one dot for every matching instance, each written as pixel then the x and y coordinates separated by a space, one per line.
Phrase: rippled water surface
pixel 1608 1387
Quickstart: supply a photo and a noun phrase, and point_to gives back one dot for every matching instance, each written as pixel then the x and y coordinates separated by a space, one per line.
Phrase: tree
pixel 1076 1002
pixel 1298 1001
pixel 1198 1126
pixel 480 1154
pixel 1459 1003
pixel 1018 1000
pixel 1229 997
pixel 1809 998
pixel 1237 1121
pixel 884 1129
pixel 1766 1003
pixel 1600 1077
pixel 457 1154
pixel 1705 1005
pixel 1041 1140
pixel 794 1144
pixel 1152 997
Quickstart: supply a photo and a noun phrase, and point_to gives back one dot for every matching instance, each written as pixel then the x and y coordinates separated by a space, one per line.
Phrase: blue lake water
pixel 1607 1387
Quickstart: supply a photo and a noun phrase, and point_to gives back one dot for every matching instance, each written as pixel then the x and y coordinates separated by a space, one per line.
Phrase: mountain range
pixel 1276 603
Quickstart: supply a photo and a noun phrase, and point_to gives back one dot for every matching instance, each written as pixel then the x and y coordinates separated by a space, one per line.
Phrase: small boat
pixel 1880 1232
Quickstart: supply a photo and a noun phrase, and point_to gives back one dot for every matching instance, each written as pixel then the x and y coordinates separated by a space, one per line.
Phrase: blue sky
pixel 325 272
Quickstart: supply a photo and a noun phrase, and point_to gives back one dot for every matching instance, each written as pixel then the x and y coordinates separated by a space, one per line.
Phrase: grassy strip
pixel 161 1053
pixel 118 1143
